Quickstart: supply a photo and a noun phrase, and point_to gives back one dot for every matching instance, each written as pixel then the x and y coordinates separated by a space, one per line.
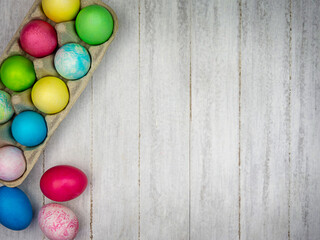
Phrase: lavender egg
pixel 6 109
pixel 12 163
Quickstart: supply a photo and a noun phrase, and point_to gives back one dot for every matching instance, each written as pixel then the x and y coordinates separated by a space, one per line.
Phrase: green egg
pixel 17 73
pixel 6 109
pixel 94 24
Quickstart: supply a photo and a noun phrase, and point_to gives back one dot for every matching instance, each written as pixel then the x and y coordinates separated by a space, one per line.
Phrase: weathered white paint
pixel 265 119
pixel 215 120
pixel 164 119
pixel 156 172
pixel 116 131
pixel 305 121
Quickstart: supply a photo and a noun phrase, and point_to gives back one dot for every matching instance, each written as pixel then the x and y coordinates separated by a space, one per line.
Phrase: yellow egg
pixel 61 10
pixel 50 95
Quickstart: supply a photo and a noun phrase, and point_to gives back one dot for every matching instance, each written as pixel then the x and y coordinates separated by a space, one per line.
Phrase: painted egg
pixel 15 208
pixel 17 73
pixel 58 222
pixel 61 11
pixel 72 61
pixel 50 95
pixel 38 38
pixel 94 24
pixel 29 128
pixel 12 163
pixel 63 183
pixel 6 109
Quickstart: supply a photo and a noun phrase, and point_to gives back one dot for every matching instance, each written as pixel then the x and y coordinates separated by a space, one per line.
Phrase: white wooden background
pixel 202 122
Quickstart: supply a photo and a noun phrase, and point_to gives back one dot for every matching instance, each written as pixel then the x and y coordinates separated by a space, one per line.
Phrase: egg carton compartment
pixel 21 101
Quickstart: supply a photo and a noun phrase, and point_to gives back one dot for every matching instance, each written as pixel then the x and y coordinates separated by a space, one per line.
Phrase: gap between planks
pixel 289 115
pixel 239 100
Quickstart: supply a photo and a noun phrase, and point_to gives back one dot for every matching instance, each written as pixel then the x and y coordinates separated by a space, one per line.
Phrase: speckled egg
pixel 72 61
pixel 12 163
pixel 6 109
pixel 58 222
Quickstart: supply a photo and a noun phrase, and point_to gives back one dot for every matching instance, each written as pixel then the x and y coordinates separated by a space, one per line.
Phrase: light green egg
pixel 6 109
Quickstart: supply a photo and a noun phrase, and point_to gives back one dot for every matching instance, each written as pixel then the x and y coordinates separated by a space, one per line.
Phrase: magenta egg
pixel 63 183
pixel 58 222
pixel 12 163
pixel 38 38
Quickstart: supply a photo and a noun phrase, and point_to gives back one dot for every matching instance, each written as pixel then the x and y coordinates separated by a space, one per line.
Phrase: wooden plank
pixel 71 145
pixel 12 15
pixel 215 120
pixel 265 119
pixel 305 124
pixel 164 119
pixel 116 131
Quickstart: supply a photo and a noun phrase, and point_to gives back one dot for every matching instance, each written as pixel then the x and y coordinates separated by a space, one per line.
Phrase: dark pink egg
pixel 63 183
pixel 38 38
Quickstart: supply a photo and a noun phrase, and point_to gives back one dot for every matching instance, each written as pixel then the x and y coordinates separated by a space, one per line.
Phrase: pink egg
pixel 12 163
pixel 38 38
pixel 58 222
pixel 63 183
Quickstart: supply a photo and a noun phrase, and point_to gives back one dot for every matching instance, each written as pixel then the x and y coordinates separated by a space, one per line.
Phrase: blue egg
pixel 15 208
pixel 72 61
pixel 29 128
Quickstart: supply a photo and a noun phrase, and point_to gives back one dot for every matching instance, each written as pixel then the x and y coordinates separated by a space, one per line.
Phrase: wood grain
pixel 200 123
pixel 164 119
pixel 215 120
pixel 305 124
pixel 265 119
pixel 116 132
pixel 70 145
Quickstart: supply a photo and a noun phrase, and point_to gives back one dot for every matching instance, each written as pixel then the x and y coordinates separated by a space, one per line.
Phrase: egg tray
pixel 21 101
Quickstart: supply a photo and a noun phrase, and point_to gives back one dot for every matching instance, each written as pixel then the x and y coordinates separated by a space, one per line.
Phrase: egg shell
pixel 6 109
pixel 50 95
pixel 29 128
pixel 72 61
pixel 17 73
pixel 58 222
pixel 63 183
pixel 38 38
pixel 12 163
pixel 15 208
pixel 94 24
pixel 61 10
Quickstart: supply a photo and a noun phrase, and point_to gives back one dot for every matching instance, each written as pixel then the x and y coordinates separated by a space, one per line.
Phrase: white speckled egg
pixel 58 222
pixel 12 163
pixel 6 109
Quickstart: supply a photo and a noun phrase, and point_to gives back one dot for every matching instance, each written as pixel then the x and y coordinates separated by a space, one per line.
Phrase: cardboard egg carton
pixel 21 101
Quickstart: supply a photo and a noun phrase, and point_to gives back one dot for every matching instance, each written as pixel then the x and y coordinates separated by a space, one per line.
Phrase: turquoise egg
pixel 6 109
pixel 29 128
pixel 72 61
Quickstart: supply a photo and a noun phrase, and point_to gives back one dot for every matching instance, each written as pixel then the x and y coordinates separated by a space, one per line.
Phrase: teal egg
pixel 72 61
pixel 29 128
pixel 6 109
